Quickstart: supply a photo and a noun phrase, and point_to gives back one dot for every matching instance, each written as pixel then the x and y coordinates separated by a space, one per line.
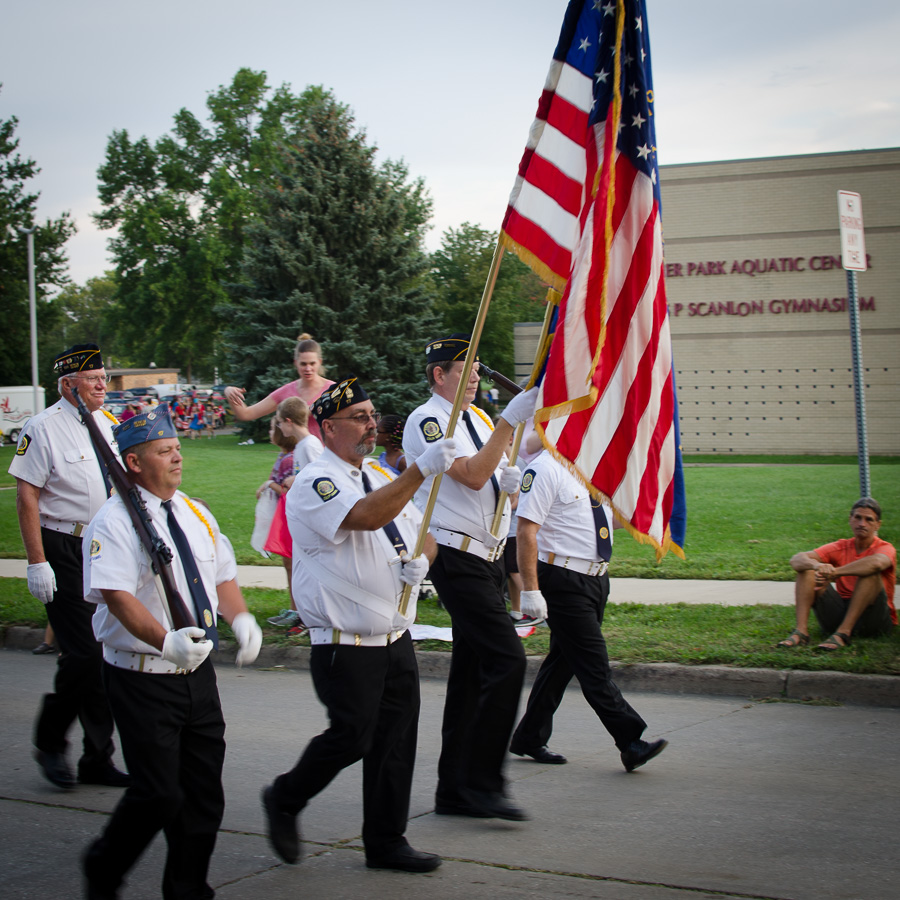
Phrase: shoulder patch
pixel 24 444
pixel 325 488
pixel 431 430
pixel 95 548
pixel 527 481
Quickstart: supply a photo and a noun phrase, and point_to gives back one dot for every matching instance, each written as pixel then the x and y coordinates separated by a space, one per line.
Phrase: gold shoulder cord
pixel 201 517
pixel 384 472
pixel 483 416
pixel 109 416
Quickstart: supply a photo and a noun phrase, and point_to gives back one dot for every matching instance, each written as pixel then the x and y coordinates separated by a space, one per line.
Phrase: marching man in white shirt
pixel 488 664
pixel 160 681
pixel 59 488
pixel 354 531
pixel 564 547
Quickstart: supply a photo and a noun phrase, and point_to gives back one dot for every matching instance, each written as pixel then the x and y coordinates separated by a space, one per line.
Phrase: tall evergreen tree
pixel 17 211
pixel 337 252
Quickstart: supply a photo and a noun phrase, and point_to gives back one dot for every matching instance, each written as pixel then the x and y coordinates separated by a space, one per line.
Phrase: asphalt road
pixel 752 800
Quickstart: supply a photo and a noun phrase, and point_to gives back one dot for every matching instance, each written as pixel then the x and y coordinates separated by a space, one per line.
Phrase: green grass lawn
pixel 744 522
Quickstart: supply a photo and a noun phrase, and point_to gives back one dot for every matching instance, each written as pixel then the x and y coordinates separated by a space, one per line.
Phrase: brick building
pixel 757 302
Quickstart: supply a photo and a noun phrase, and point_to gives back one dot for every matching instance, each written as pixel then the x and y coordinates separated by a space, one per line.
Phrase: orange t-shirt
pixel 841 553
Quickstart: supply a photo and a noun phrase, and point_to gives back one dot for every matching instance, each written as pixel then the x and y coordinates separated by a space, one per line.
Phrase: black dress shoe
pixel 107 775
pixel 493 805
pixel 540 754
pixel 406 860
pixel 281 828
pixel 639 752
pixel 55 768
pixel 457 808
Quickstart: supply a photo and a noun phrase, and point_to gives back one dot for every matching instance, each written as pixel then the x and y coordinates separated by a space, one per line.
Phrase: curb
pixel 664 678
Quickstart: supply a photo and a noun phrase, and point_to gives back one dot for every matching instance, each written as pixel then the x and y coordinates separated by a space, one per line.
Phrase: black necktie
pixel 601 526
pixel 205 618
pixel 391 530
pixel 478 445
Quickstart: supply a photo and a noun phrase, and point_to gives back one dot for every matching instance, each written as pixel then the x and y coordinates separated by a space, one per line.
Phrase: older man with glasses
pixel 354 530
pixel 59 488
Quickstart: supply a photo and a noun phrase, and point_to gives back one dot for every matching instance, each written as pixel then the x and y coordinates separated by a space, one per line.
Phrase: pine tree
pixel 337 252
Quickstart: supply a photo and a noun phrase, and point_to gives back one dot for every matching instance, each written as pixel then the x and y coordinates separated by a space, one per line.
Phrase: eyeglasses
pixel 93 380
pixel 360 418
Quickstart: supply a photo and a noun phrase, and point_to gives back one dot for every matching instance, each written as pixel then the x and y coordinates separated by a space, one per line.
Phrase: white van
pixel 16 408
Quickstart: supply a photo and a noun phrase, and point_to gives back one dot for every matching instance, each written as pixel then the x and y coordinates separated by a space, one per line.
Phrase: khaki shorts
pixel 830 608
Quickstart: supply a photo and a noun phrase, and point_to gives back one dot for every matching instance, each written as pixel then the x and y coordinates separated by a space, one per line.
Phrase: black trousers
pixel 78 688
pixel 575 607
pixel 173 739
pixel 486 673
pixel 372 698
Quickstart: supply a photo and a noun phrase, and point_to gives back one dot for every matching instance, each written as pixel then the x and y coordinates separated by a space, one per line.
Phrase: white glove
pixel 179 647
pixel 41 582
pixel 414 569
pixel 521 407
pixel 510 479
pixel 534 604
pixel 249 636
pixel 437 458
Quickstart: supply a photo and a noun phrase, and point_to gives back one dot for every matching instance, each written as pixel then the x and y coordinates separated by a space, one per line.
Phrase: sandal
pixel 796 639
pixel 838 641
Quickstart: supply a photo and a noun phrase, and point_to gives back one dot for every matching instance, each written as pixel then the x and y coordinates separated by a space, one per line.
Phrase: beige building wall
pixel 757 301
pixel 758 308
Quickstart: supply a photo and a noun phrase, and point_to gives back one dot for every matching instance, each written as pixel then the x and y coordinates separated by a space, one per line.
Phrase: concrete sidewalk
pixel 750 800
pixel 623 590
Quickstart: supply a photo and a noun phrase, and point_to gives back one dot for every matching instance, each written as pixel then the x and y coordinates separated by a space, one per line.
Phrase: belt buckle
pixel 78 529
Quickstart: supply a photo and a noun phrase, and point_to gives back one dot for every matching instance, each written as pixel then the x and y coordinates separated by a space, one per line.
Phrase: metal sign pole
pixel 853 258
pixel 859 387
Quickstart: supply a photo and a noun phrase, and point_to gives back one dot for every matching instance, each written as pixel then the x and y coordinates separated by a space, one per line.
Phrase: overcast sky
pixel 449 87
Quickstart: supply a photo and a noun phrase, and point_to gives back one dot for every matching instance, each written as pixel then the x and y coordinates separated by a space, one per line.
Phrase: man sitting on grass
pixel 863 569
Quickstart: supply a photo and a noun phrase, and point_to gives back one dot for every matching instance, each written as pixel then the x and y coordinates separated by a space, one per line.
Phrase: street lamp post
pixel 32 313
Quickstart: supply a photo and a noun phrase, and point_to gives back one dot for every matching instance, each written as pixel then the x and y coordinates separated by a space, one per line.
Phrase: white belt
pixel 334 636
pixel 582 566
pixel 459 541
pixel 142 662
pixel 73 528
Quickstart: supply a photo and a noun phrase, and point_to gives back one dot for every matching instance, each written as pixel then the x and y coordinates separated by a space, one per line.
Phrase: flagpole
pixel 461 388
pixel 520 428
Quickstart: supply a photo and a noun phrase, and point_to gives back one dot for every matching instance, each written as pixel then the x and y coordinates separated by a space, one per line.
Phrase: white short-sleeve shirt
pixel 319 500
pixel 115 560
pixel 306 451
pixel 55 454
pixel 554 499
pixel 457 508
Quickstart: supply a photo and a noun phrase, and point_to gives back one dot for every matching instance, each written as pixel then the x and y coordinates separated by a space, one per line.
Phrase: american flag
pixel 585 214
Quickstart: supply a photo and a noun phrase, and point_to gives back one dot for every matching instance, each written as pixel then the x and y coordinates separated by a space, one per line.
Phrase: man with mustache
pixel 354 530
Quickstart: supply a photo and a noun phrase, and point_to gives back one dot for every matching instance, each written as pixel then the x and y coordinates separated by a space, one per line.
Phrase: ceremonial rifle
pixel 159 552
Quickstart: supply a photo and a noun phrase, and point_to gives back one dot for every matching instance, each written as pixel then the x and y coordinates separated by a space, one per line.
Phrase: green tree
pixel 337 252
pixel 180 206
pixel 460 269
pixel 84 317
pixel 17 211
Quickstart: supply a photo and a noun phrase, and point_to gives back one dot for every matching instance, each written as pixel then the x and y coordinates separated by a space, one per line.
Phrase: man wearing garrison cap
pixel 160 682
pixel 488 660
pixel 59 488
pixel 354 532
